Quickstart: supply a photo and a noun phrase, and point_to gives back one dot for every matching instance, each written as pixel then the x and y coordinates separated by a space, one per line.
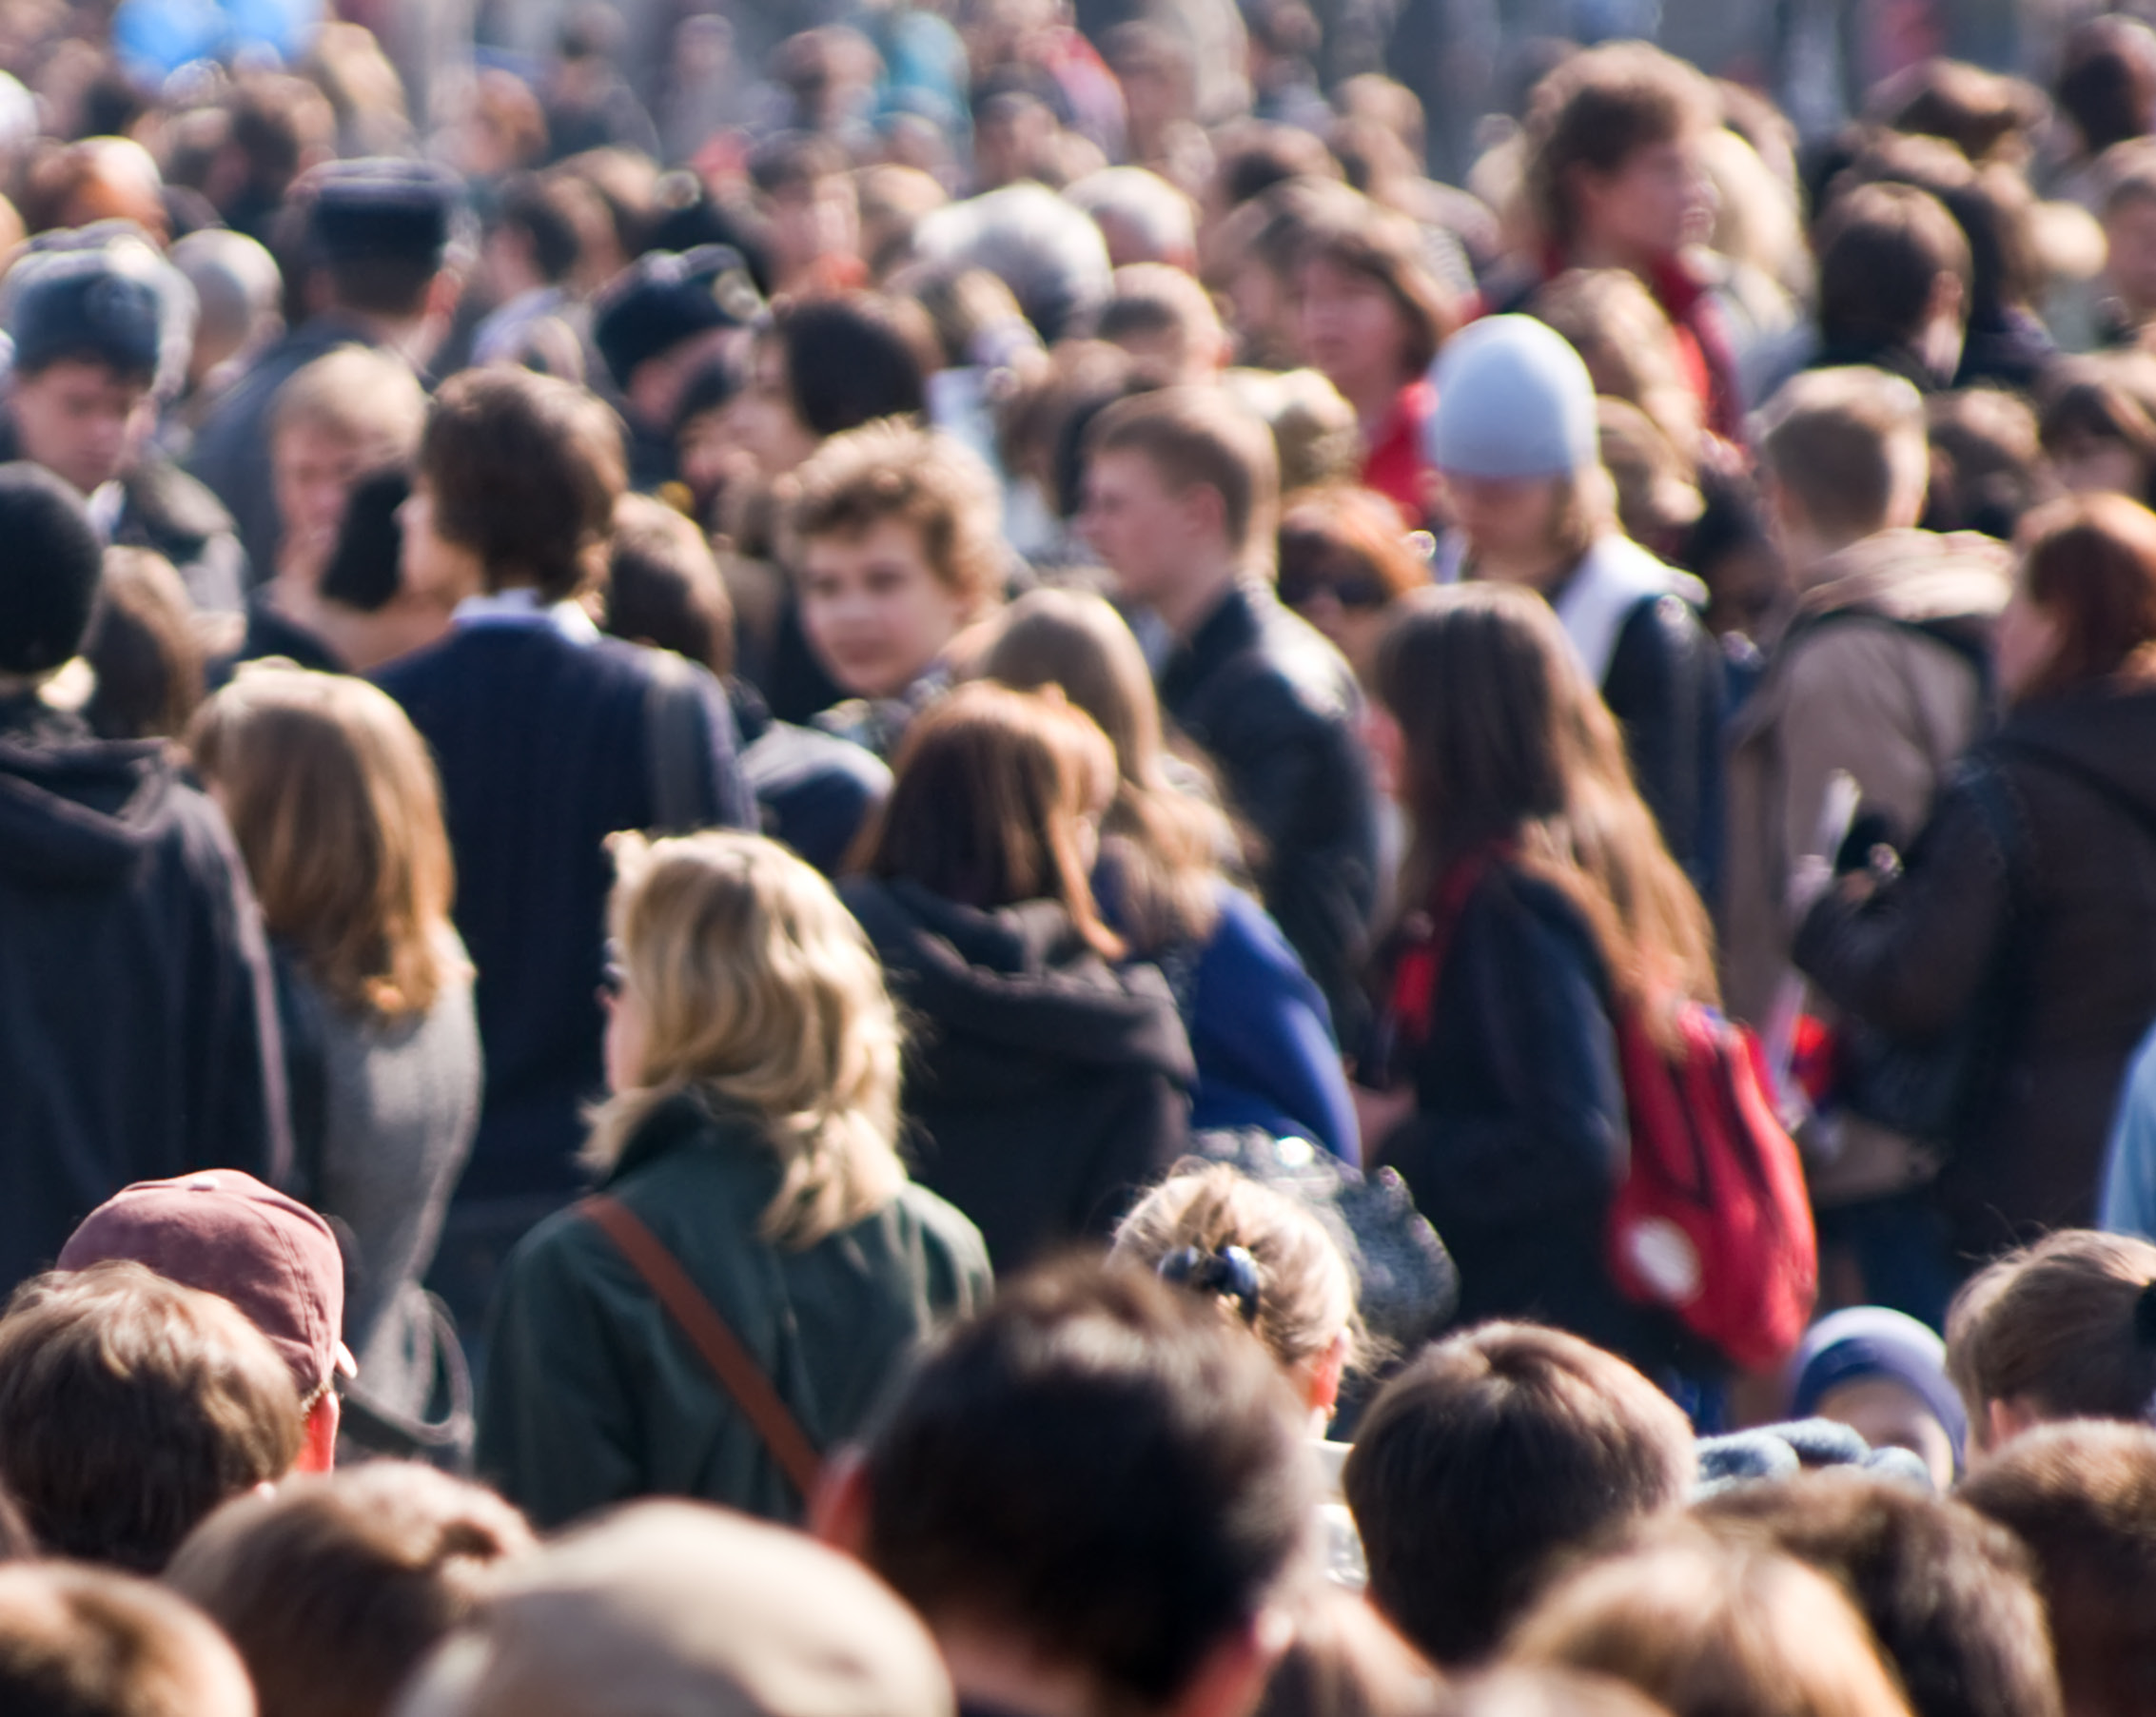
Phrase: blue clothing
pixel 2129 1204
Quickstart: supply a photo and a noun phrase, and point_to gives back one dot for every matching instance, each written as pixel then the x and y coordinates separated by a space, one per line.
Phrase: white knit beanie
pixel 1513 401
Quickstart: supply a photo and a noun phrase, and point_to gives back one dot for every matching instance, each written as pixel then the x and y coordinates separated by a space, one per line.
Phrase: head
pixel 998 799
pixel 334 800
pixel 805 194
pixel 1987 461
pixel 1166 321
pixel 130 1407
pixel 1948 1595
pixel 1842 455
pixel 667 315
pixel 50 577
pixel 1179 485
pixel 1704 1629
pixel 336 1587
pixel 896 547
pixel 825 366
pixel 1347 1661
pixel 738 977
pixel 1541 1690
pixel 663 585
pixel 2126 176
pixel 1099 1478
pixel 83 1642
pixel 239 293
pixel 1894 272
pixel 516 482
pixel 1343 563
pixel 147 647
pixel 376 239
pixel 1315 431
pixel 1884 1375
pixel 2084 609
pixel 2065 1329
pixel 2098 437
pixel 354 412
pixel 1628 344
pixel 1368 311
pixel 2082 1497
pixel 1141 216
pixel 673 1606
pixel 1987 117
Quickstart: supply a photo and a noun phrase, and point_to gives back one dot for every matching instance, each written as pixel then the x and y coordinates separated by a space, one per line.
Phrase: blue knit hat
pixel 1513 401
pixel 1874 1342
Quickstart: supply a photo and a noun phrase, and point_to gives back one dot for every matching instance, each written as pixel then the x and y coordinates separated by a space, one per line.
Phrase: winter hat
pixel 1513 401
pixel 1874 1342
pixel 48 575
pixel 665 298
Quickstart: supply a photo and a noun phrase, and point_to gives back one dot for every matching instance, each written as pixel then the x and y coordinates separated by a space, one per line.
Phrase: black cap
pixel 48 575
pixel 110 297
pixel 381 206
pixel 664 298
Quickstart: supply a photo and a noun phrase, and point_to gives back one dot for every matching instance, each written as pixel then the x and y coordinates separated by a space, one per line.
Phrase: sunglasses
pixel 1352 591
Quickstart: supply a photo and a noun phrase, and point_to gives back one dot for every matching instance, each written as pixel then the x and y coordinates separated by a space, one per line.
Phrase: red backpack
pixel 1712 1220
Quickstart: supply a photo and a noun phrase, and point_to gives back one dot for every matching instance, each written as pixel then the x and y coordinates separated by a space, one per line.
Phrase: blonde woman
pixel 753 1058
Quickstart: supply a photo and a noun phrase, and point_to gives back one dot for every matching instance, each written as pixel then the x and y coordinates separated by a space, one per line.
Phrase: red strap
pixel 736 1371
pixel 1422 963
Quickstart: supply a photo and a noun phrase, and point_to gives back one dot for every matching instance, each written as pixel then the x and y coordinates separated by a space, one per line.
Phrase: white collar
pixel 520 606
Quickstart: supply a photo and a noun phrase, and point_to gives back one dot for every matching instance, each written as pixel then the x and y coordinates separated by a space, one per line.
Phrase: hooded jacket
pixel 138 1035
pixel 2064 923
pixel 1043 1086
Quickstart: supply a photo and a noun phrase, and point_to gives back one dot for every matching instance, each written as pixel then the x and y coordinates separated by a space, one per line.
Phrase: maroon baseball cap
pixel 228 1234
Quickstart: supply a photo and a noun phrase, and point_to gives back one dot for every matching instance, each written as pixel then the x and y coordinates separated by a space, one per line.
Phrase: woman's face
pixel 1350 327
pixel 760 419
pixel 1505 520
pixel 627 1033
pixel 2028 638
pixel 877 615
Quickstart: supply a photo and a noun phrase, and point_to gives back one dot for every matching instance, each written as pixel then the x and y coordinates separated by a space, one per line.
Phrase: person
pixel 2031 897
pixel 1894 280
pixel 1540 1691
pixel 144 1039
pixel 335 806
pixel 895 553
pixel 1489 1457
pixel 101 326
pixel 654 325
pixel 1703 1628
pixel 1344 563
pixel 530 253
pixel 372 269
pixel 91 1643
pixel 336 1588
pixel 670 1606
pixel 146 647
pixel 130 1407
pixel 1259 1031
pixel 1537 907
pixel 1948 1595
pixel 1884 1375
pixel 1166 321
pixel 1181 493
pixel 1047 1082
pixel 548 738
pixel 2097 430
pixel 1093 1485
pixel 753 1058
pixel 2125 179
pixel 1514 443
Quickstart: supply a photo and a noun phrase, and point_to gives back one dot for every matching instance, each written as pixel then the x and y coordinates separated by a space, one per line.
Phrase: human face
pixel 2095 465
pixel 2130 267
pixel 1890 1414
pixel 82 420
pixel 1350 327
pixel 1649 206
pixel 432 566
pixel 2028 640
pixel 313 467
pixel 1137 525
pixel 877 615
pixel 761 418
pixel 1510 523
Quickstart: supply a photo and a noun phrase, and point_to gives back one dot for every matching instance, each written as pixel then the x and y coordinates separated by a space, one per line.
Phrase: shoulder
pixel 1286 669
pixel 947 1230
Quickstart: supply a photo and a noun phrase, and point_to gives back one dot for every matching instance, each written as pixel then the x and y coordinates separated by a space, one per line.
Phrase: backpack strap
pixel 712 1337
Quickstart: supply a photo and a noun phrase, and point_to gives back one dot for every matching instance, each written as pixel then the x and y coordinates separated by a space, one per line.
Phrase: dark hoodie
pixel 2065 923
pixel 1044 1087
pixel 135 998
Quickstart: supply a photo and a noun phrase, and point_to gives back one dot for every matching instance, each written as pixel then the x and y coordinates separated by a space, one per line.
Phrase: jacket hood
pixel 75 810
pixel 1018 982
pixel 1912 577
pixel 2106 735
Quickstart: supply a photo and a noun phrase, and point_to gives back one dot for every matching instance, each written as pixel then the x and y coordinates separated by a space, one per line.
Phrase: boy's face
pixel 2131 230
pixel 1648 207
pixel 875 612
pixel 1142 530
pixel 81 420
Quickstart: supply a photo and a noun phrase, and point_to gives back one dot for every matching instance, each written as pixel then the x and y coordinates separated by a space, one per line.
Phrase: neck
pixel 1541 571
pixel 988 1669
pixel 1373 404
pixel 1186 608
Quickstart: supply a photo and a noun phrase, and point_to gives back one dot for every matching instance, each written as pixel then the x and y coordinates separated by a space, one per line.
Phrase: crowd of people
pixel 881 874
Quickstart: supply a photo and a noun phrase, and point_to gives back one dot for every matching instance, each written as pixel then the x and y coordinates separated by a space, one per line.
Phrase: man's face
pixel 2130 228
pixel 1507 521
pixel 1139 527
pixel 82 420
pixel 313 467
pixel 874 610
pixel 1650 205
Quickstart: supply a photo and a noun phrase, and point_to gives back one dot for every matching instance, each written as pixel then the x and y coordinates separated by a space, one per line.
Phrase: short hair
pixel 2065 1328
pixel 924 478
pixel 1849 445
pixel 1949 1595
pixel 83 1642
pixel 1095 1465
pixel 663 585
pixel 1491 1455
pixel 1980 112
pixel 1987 461
pixel 130 1407
pixel 1597 107
pixel 853 359
pixel 2082 1498
pixel 335 1587
pixel 2107 82
pixel 1152 299
pixel 1199 435
pixel 1882 250
pixel 525 472
pixel 358 393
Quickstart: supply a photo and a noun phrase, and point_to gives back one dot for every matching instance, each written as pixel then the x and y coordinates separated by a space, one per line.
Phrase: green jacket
pixel 593 1395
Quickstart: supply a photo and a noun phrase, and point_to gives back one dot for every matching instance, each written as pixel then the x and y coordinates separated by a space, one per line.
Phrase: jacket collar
pixel 681 1121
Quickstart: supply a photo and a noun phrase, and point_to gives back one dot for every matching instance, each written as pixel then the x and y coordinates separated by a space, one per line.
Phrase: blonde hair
pixel 360 394
pixel 1305 1285
pixel 334 801
pixel 1629 346
pixel 758 992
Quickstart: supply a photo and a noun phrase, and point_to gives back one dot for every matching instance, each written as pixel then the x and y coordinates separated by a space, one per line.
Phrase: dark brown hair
pixel 87 1642
pixel 130 1407
pixel 1882 250
pixel 663 585
pixel 2090 564
pixel 143 643
pixel 1366 238
pixel 1198 436
pixel 1594 110
pixel 524 471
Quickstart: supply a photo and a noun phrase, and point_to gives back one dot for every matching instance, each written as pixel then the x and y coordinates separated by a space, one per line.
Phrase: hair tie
pixel 1231 1274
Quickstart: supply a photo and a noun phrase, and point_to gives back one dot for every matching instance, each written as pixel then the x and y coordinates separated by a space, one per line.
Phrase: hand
pixel 1377 1113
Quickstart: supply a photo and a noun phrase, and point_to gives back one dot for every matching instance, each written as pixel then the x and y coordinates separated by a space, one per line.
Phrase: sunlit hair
pixel 1165 845
pixel 1306 1287
pixel 988 809
pixel 2090 566
pixel 337 812
pixel 1506 740
pixel 759 993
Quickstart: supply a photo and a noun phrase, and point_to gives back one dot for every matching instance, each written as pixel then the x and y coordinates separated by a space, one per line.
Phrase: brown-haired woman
pixel 1537 901
pixel 333 800
pixel 1344 563
pixel 2032 893
pixel 1045 1083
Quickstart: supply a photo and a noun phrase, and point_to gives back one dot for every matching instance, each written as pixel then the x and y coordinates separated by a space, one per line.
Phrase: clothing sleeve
pixel 1664 688
pixel 1910 960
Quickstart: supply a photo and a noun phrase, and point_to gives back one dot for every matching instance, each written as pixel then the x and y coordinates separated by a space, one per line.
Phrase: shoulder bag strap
pixel 730 1362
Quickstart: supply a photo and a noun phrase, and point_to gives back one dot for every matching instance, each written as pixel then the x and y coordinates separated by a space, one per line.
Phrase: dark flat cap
pixel 381 206
pixel 101 293
pixel 667 297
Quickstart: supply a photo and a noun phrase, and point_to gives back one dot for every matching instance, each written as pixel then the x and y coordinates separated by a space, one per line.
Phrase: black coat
pixel 1044 1087
pixel 1275 707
